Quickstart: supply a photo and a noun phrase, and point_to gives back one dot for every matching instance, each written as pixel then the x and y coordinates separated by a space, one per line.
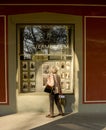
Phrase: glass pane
pixel 41 47
pixel 44 39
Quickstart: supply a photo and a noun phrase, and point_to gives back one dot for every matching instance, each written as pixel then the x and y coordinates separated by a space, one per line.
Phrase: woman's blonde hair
pixel 54 69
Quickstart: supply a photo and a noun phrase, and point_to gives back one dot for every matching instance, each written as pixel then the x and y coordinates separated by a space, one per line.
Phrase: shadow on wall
pixel 68 103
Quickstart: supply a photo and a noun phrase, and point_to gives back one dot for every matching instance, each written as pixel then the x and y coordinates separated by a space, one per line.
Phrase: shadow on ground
pixel 77 122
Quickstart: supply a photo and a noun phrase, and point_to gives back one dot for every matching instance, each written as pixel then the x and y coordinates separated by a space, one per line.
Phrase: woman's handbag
pixel 50 84
pixel 48 89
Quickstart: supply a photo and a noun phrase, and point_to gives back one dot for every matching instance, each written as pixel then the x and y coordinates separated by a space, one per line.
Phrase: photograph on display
pixel 32 86
pixel 24 65
pixel 67 75
pixel 25 86
pixel 46 68
pixel 63 65
pixel 68 65
pixel 32 75
pixel 67 85
pixel 57 63
pixel 32 65
pixel 63 76
pixel 25 75
pixel 63 85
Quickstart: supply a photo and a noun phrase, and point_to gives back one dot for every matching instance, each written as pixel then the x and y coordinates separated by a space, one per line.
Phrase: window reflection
pixel 43 39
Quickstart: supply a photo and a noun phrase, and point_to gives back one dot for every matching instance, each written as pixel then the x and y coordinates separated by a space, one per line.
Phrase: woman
pixel 54 96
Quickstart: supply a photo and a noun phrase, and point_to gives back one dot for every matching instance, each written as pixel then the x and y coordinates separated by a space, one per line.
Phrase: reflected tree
pixel 37 37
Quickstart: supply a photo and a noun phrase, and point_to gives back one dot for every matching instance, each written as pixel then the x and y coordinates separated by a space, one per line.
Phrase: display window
pixel 39 48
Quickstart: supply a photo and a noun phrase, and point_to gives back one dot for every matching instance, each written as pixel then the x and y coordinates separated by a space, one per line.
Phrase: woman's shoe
pixel 61 114
pixel 49 116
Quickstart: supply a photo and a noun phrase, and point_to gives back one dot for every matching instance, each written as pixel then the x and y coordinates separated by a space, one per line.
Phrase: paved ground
pixel 33 121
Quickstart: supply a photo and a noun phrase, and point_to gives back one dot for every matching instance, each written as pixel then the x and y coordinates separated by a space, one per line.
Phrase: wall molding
pixel 5 64
pixel 85 100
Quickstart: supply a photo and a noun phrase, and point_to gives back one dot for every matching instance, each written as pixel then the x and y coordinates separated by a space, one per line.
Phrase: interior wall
pixel 35 104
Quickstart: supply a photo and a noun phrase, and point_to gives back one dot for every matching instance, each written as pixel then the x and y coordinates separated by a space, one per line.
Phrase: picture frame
pixel 68 65
pixel 32 86
pixel 32 65
pixel 25 76
pixel 63 65
pixel 67 75
pixel 24 65
pixel 32 76
pixel 25 86
pixel 45 68
pixel 63 85
pixel 57 64
pixel 67 85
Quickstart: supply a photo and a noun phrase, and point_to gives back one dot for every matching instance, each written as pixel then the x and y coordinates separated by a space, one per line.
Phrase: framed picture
pixel 45 68
pixel 68 65
pixel 57 64
pixel 24 65
pixel 63 85
pixel 32 65
pixel 63 75
pixel 25 86
pixel 32 86
pixel 63 65
pixel 25 75
pixel 67 75
pixel 32 75
pixel 67 85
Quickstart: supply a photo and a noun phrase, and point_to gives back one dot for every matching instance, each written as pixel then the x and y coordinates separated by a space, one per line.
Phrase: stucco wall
pixel 19 102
